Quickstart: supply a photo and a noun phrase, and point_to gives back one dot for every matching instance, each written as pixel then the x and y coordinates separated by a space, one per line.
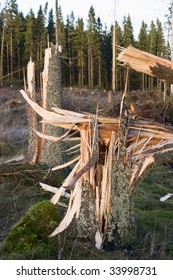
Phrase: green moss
pixel 30 237
pixel 6 149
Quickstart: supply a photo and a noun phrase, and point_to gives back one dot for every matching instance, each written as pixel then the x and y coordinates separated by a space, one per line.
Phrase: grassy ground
pixel 156 217
pixel 20 189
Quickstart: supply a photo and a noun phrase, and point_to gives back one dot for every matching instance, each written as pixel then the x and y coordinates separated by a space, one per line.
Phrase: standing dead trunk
pixel 52 154
pixel 32 116
pixel 121 226
pixel 86 223
pixel 114 154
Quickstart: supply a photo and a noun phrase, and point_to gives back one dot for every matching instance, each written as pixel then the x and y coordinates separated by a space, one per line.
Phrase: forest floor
pixel 20 189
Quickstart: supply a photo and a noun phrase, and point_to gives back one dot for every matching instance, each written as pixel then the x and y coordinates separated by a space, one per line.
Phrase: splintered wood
pixel 99 140
pixel 147 63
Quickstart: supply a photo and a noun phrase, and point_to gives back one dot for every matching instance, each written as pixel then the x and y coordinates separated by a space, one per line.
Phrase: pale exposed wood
pixel 147 63
pixel 45 76
pixel 74 206
pixel 66 164
pixel 49 188
pixel 32 117
pixel 145 143
pixel 67 181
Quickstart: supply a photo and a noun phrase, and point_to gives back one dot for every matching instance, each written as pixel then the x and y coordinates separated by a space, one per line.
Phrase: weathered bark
pixel 52 154
pixel 121 227
pixel 32 116
pixel 86 223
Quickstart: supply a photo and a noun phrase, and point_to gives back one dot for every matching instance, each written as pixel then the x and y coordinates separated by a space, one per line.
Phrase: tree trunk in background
pixel 1 54
pixel 11 55
pixel 99 73
pixel 113 59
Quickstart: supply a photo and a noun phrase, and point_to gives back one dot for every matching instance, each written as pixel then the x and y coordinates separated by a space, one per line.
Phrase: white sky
pixel 139 10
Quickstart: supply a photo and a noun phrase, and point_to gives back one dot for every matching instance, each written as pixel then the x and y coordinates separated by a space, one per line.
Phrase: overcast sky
pixel 139 10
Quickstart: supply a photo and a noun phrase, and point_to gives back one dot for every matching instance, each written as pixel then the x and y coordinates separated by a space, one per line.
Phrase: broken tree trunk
pixel 147 63
pixel 51 94
pixel 32 116
pixel 114 154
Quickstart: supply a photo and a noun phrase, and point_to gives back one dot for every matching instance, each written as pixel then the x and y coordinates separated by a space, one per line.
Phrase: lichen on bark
pixel 86 223
pixel 121 227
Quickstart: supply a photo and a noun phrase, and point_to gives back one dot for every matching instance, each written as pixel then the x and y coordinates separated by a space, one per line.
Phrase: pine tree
pixel 152 38
pixel 160 40
pixel 143 37
pixel 70 30
pixel 51 27
pixel 80 43
pixel 10 12
pixel 106 50
pixel 90 45
pixel 30 36
pixel 20 31
pixel 61 31
pixel 143 45
pixel 119 70
pixel 41 33
pixel 98 55
pixel 128 37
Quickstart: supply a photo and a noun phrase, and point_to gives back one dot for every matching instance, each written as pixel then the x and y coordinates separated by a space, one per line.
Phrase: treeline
pixel 86 47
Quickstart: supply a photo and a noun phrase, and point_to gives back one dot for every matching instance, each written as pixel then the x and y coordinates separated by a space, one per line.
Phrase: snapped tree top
pixel 147 63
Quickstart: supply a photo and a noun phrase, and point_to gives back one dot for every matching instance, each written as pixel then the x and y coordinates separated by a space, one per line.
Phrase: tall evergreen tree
pixel 80 44
pixel 160 40
pixel 61 31
pixel 98 55
pixel 106 50
pixel 11 12
pixel 30 36
pixel 51 27
pixel 41 33
pixel 20 31
pixel 152 38
pixel 143 44
pixel 119 70
pixel 143 37
pixel 128 37
pixel 70 31
pixel 90 40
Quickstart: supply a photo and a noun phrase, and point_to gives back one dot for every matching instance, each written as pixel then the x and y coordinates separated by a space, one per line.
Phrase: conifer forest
pixel 86 46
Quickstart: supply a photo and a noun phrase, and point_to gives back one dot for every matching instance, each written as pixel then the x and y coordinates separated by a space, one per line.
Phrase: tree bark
pixel 52 154
pixel 32 116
